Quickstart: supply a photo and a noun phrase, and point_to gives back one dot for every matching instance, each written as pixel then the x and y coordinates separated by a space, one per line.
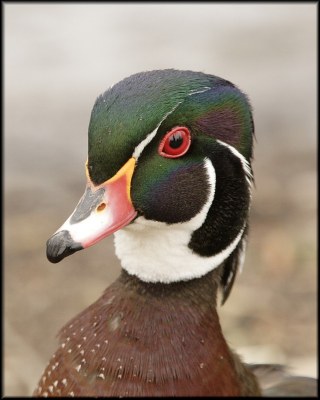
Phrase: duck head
pixel 169 173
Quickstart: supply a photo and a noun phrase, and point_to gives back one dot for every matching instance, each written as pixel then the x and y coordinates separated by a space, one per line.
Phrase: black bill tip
pixel 61 245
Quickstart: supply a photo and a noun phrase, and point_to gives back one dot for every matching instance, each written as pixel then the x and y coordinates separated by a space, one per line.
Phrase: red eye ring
pixel 175 142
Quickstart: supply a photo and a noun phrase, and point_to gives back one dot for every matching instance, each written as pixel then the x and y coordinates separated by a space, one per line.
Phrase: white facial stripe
pixel 205 89
pixel 141 146
pixel 244 162
pixel 158 252
pixel 138 150
pixel 212 185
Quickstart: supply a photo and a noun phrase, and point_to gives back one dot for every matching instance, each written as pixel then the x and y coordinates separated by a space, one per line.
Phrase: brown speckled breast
pixel 142 339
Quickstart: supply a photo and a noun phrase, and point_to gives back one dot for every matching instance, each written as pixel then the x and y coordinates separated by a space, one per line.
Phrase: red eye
pixel 175 143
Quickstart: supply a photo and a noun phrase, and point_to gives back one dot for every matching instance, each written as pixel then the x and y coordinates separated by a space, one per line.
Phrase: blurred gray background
pixel 58 59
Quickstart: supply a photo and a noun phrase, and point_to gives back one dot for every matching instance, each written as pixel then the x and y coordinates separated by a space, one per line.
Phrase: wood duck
pixel 169 173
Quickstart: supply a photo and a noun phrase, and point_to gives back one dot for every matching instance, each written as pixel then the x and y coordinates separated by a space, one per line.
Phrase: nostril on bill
pixel 101 207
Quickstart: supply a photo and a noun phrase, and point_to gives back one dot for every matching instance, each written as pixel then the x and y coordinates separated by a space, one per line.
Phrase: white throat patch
pixel 158 252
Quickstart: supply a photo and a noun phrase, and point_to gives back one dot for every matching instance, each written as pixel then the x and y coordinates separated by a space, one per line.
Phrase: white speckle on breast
pixel 150 376
pixel 109 301
pixel 114 323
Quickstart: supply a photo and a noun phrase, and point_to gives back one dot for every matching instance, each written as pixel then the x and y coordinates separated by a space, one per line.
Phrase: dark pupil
pixel 176 140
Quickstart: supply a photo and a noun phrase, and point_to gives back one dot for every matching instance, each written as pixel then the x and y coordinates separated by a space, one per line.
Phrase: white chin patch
pixel 158 252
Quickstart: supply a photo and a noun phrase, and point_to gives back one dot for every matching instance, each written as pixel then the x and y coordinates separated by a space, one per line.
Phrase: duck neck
pixel 179 328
